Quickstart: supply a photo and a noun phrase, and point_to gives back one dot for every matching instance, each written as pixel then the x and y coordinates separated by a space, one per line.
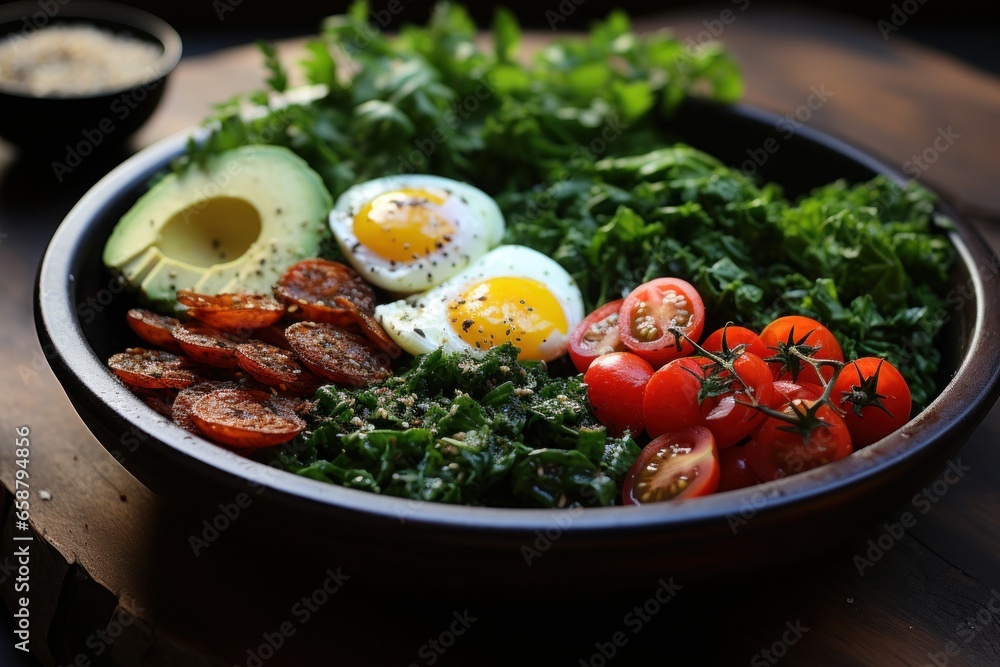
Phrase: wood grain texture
pixel 112 557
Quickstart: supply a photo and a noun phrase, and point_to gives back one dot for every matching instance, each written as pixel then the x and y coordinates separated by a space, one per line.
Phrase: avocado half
pixel 233 224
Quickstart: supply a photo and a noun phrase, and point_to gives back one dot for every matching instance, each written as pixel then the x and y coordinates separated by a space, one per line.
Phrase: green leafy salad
pixel 574 143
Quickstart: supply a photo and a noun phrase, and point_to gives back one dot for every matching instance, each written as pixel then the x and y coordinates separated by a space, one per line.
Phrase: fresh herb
pixel 870 260
pixel 457 429
pixel 431 99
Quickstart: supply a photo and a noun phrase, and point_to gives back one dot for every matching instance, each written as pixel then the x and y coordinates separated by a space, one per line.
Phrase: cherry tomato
pixel 695 391
pixel 597 334
pixel 734 470
pixel 651 309
pixel 680 464
pixel 805 335
pixel 779 449
pixel 786 391
pixel 736 336
pixel 615 385
pixel 875 398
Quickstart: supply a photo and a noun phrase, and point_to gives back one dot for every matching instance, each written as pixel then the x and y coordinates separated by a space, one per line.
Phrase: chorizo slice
pixel 276 367
pixel 370 327
pixel 152 369
pixel 246 418
pixel 310 286
pixel 337 355
pixel 154 328
pixel 234 312
pixel 207 345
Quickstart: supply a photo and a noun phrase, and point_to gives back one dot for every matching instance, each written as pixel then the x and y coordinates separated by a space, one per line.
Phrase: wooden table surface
pixel 114 581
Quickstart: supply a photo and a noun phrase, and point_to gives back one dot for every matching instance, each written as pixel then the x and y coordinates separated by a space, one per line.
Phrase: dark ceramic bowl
pixel 80 321
pixel 81 125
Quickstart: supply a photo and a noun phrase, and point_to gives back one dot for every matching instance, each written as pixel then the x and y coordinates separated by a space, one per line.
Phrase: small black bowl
pixel 81 125
pixel 80 320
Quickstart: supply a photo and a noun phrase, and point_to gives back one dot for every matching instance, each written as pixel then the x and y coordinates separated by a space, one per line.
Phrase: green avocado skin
pixel 231 224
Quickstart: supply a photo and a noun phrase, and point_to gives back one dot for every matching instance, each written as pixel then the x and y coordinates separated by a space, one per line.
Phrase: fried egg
pixel 513 293
pixel 407 233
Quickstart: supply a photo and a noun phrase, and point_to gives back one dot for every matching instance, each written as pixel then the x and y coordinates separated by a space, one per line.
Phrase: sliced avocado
pixel 233 224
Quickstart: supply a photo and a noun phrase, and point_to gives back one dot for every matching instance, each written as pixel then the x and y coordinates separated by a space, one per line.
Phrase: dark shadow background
pixel 965 28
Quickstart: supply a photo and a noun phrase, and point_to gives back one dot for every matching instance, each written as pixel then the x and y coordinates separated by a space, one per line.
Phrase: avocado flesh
pixel 232 225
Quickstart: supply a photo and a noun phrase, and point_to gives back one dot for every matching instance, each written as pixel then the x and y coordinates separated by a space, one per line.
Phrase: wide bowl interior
pixel 80 318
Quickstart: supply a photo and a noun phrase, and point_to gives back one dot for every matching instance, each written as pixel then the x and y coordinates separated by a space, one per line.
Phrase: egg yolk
pixel 520 310
pixel 403 225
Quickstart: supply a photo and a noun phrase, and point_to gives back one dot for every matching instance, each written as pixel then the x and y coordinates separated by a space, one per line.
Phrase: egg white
pixel 476 217
pixel 421 322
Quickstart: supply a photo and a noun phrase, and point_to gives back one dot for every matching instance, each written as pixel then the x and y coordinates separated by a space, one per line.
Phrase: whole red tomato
pixel 697 391
pixel 875 399
pixel 616 383
pixel 794 333
pixel 812 434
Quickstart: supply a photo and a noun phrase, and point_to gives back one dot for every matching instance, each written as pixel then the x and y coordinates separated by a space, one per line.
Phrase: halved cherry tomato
pixel 233 313
pixel 246 418
pixel 805 335
pixel 779 449
pixel 736 336
pixel 875 398
pixel 615 385
pixel 309 286
pixel 680 464
pixel 207 345
pixel 152 369
pixel 597 334
pixel 651 309
pixel 337 355
pixel 155 329
pixel 694 390
pixel 734 470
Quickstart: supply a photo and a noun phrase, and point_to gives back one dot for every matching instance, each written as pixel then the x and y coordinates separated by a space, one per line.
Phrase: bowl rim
pixel 126 16
pixel 965 399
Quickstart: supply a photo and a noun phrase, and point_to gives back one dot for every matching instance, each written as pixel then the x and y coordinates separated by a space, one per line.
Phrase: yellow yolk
pixel 403 225
pixel 520 310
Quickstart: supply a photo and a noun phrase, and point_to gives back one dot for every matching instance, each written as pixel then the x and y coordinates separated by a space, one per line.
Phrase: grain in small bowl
pixel 81 77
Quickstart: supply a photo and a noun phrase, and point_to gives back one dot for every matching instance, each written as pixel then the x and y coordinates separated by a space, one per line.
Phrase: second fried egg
pixel 512 294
